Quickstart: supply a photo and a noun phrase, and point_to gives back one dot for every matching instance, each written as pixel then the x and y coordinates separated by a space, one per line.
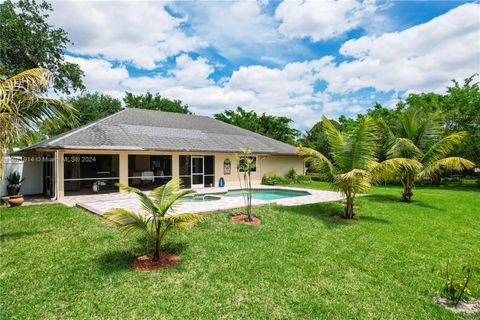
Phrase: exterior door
pixel 48 175
pixel 197 172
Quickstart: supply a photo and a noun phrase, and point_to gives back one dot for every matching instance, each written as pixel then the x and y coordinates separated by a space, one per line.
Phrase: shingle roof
pixel 139 129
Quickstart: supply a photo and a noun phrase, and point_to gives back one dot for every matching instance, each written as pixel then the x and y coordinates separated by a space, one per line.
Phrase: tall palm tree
pixel 420 138
pixel 354 165
pixel 22 107
pixel 157 218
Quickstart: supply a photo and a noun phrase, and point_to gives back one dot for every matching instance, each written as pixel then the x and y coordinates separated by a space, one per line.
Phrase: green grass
pixel 59 262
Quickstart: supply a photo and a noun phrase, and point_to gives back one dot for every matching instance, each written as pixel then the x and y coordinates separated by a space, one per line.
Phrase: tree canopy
pixel 274 127
pixel 91 107
pixel 154 102
pixel 28 41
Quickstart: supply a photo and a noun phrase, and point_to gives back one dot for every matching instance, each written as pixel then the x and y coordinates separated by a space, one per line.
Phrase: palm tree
pixel 354 165
pixel 420 138
pixel 157 218
pixel 245 166
pixel 22 108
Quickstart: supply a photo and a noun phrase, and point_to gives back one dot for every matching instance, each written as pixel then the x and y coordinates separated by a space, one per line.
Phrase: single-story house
pixel 146 148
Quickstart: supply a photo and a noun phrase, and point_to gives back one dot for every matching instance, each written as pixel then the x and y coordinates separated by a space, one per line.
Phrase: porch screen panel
pixel 209 174
pixel 185 170
pixel 90 173
pixel 149 171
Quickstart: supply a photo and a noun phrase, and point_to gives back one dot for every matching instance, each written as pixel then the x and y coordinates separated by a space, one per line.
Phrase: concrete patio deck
pixel 102 203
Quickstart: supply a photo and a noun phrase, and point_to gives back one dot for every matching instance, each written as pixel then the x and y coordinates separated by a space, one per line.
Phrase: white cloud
pixel 142 33
pixel 236 29
pixel 422 58
pixel 193 73
pixel 322 20
pixel 100 75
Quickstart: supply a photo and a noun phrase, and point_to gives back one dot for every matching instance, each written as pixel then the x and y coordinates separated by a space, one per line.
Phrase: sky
pixel 300 59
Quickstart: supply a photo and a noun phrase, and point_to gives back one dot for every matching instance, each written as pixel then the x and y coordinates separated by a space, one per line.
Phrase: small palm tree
pixel 157 218
pixel 354 165
pixel 22 108
pixel 420 139
pixel 245 166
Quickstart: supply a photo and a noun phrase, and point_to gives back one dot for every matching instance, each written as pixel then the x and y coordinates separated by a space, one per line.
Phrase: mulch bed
pixel 470 306
pixel 241 219
pixel 341 217
pixel 145 263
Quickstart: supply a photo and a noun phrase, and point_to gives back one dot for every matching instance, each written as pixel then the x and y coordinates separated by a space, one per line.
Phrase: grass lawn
pixel 59 262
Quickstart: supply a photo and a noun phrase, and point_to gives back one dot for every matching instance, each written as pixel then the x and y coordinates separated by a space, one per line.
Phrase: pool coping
pixel 101 205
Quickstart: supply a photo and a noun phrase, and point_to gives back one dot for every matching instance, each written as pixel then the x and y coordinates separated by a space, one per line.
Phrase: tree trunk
pixel 407 189
pixel 349 208
pixel 156 254
pixel 249 199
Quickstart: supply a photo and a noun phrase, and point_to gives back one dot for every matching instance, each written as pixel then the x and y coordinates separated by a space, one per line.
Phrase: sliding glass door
pixel 197 171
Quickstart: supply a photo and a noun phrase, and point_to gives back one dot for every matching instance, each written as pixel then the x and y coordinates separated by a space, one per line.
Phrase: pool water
pixel 269 194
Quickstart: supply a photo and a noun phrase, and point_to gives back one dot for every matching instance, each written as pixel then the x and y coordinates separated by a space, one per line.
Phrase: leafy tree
pixel 347 124
pixel 28 41
pixel 462 113
pixel 316 139
pixel 91 107
pixel 275 127
pixel 354 165
pixel 154 102
pixel 420 139
pixel 157 218
pixel 22 108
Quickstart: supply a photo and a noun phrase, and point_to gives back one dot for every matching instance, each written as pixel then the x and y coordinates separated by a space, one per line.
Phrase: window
pixel 209 174
pixel 90 173
pixel 243 162
pixel 149 171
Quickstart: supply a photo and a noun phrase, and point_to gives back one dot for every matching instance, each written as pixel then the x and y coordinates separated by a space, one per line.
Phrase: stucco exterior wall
pixel 266 165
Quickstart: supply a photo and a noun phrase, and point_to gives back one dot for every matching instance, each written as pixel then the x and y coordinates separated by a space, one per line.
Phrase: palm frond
pixel 450 163
pixel 337 142
pixel 147 204
pixel 28 83
pixel 187 218
pixel 404 148
pixel 362 144
pixel 390 169
pixel 442 148
pixel 131 222
pixel 318 161
pixel 166 195
pixel 355 181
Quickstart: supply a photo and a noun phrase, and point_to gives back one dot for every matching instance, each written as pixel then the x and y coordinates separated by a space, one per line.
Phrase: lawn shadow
pixel 121 260
pixel 11 236
pixel 323 211
pixel 385 198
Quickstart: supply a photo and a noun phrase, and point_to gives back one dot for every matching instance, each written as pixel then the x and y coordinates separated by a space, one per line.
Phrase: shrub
pixel 457 285
pixel 274 180
pixel 292 175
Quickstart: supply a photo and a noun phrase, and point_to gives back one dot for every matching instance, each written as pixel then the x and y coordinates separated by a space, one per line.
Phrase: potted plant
pixel 14 182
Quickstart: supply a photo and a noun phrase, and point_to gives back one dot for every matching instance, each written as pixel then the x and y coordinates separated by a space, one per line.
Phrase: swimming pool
pixel 259 194
pixel 199 198
pixel 268 194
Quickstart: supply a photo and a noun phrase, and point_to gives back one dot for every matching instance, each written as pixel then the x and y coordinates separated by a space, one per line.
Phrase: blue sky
pixel 299 59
